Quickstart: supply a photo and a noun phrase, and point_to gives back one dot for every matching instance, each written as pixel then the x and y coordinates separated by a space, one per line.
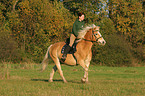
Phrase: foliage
pixel 106 26
pixel 94 10
pixel 2 18
pixel 116 52
pixel 36 24
pixel 129 21
pixel 9 48
pixel 30 26
pixel 128 18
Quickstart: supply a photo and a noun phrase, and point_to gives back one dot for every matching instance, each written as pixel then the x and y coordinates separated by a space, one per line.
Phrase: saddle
pixel 73 48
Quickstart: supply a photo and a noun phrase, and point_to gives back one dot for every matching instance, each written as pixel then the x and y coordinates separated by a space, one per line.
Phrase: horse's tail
pixel 45 60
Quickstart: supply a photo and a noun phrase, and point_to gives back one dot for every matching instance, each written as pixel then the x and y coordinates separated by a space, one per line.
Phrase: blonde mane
pixel 82 32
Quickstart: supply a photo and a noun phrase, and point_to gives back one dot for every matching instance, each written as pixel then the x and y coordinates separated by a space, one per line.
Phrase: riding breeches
pixel 72 39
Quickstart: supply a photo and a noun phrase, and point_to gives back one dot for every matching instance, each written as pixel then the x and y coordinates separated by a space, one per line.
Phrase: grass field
pixel 25 80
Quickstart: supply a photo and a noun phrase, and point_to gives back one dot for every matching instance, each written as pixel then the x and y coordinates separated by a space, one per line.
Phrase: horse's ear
pixel 94 28
pixel 97 28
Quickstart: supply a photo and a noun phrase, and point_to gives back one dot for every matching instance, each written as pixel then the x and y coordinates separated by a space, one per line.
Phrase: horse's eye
pixel 96 34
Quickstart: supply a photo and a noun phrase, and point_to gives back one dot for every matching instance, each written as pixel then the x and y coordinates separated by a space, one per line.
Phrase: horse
pixel 82 56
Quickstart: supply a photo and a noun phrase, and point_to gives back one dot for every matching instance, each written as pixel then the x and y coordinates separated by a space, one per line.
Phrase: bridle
pixel 93 34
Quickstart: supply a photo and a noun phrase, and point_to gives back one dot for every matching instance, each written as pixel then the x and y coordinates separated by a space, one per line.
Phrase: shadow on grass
pixel 45 80
pixel 56 80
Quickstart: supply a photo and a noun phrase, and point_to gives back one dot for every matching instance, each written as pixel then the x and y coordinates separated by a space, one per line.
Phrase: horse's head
pixel 96 36
pixel 91 33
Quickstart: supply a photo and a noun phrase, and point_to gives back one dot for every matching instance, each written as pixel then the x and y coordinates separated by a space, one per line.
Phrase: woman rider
pixel 77 26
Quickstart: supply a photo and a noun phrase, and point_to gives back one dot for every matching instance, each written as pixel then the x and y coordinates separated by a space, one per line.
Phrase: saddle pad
pixel 72 50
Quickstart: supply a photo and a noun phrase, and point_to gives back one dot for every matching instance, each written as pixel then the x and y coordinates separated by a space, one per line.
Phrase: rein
pixel 88 40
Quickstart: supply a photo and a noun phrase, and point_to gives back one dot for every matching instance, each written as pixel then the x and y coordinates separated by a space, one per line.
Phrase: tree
pixel 129 21
pixel 9 48
pixel 127 15
pixel 36 24
pixel 94 10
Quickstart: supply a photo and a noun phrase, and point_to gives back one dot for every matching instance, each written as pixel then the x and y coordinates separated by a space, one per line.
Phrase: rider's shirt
pixel 77 26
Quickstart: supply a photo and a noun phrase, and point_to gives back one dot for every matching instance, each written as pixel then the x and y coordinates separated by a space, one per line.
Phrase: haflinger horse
pixel 82 56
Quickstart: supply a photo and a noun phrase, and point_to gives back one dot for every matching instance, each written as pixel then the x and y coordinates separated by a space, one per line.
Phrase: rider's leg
pixel 67 49
pixel 72 39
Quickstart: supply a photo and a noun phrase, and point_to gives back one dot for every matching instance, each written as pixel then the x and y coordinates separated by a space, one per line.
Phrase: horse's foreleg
pixel 82 63
pixel 85 64
pixel 85 78
pixel 52 73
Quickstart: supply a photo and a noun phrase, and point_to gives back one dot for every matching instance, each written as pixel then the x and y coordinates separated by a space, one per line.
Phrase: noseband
pixel 93 34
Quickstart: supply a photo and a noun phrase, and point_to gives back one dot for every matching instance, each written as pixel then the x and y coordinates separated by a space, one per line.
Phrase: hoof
pixel 87 82
pixel 50 80
pixel 65 82
pixel 83 80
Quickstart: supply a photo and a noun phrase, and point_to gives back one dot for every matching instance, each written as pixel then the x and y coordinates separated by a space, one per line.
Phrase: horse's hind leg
pixel 59 69
pixel 61 73
pixel 52 73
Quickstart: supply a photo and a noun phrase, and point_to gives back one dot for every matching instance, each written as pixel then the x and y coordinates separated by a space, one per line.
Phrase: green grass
pixel 25 80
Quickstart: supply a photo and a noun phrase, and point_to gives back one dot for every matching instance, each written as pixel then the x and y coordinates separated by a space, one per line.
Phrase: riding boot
pixel 67 49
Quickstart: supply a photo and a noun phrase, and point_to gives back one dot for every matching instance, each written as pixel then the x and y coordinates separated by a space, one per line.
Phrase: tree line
pixel 28 27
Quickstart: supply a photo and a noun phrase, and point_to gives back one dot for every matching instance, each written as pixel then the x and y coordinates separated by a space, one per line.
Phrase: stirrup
pixel 63 58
